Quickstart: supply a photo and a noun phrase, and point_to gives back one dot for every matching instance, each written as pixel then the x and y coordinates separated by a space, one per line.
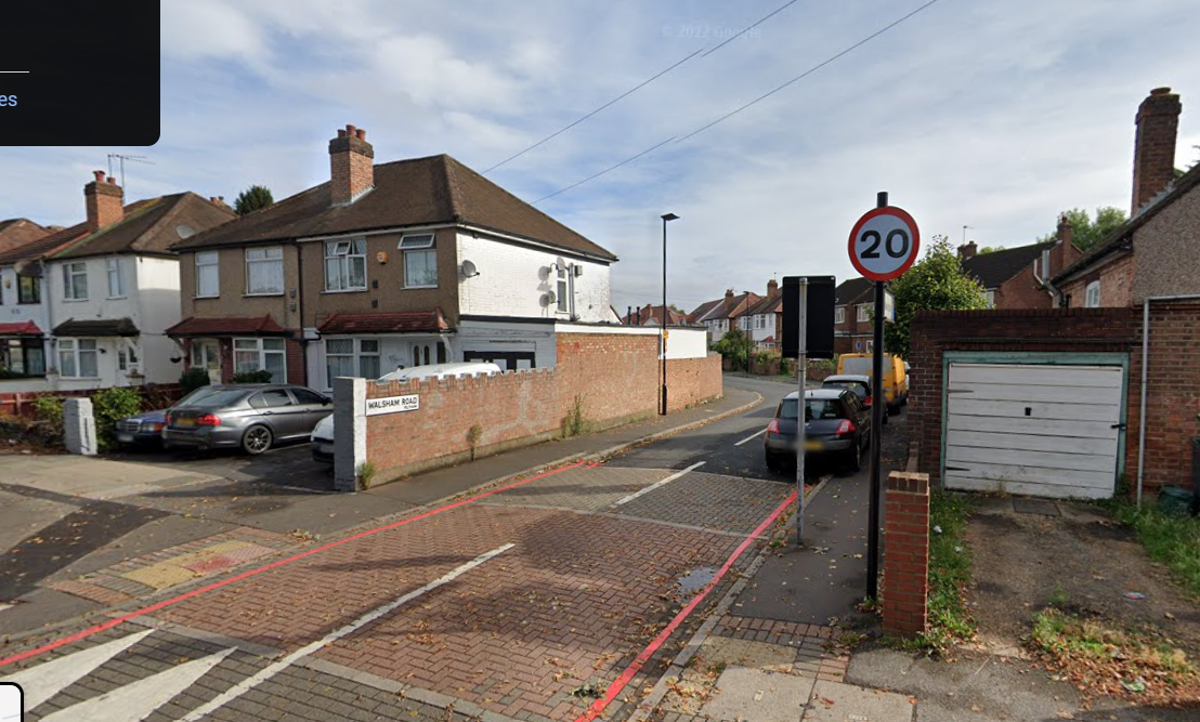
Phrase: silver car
pixel 253 417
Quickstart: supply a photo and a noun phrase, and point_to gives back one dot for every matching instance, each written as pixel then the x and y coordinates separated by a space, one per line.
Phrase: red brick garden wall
pixel 615 378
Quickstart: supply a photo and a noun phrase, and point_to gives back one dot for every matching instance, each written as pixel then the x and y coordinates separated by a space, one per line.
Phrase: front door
pixel 207 355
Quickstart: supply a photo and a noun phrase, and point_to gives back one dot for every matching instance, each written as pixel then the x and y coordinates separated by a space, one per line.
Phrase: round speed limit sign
pixel 884 243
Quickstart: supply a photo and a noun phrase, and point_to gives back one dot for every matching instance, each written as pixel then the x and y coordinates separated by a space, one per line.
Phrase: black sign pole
pixel 878 399
pixel 801 413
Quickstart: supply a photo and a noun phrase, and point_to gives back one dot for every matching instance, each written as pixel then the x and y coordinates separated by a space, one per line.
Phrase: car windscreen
pixel 214 398
pixel 857 387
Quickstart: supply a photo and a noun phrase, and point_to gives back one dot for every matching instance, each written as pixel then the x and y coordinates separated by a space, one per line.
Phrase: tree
pixel 935 283
pixel 1085 232
pixel 252 199
pixel 989 249
pixel 736 346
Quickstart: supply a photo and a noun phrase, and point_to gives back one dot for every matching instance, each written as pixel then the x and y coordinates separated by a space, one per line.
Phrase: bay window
pixel 261 354
pixel 78 358
pixel 351 357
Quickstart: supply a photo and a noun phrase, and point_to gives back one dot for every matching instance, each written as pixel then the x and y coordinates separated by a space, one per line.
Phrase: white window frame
pixel 565 291
pixel 270 255
pixel 870 345
pixel 204 263
pixel 259 347
pixel 863 315
pixel 1091 295
pixel 357 353
pixel 75 348
pixel 115 272
pixel 418 243
pixel 991 298
pixel 345 253
pixel 71 271
pixel 129 358
pixel 839 314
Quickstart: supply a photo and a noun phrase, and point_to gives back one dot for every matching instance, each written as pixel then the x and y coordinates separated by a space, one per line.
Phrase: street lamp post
pixel 662 328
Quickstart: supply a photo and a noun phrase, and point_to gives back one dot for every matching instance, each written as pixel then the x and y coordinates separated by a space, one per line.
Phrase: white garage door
pixel 1038 430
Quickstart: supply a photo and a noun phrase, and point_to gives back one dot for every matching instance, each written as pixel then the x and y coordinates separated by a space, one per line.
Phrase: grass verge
pixel 1169 538
pixel 1100 659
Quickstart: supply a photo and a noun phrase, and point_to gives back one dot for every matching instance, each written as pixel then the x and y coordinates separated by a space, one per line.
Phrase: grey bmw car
pixel 253 417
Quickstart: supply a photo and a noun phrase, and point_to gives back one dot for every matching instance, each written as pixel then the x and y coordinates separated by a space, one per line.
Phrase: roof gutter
pixel 1145 374
pixel 540 244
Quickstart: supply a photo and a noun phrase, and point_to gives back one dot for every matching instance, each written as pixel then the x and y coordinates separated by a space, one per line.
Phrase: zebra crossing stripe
pixel 48 679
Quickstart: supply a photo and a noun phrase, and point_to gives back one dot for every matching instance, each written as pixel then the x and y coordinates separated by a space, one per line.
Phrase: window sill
pixel 29 303
pixel 418 288
pixel 344 290
pixel 204 298
pixel 280 294
pixel 75 300
pixel 116 298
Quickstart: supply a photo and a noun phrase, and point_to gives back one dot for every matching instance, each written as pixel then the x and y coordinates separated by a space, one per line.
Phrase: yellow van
pixel 895 379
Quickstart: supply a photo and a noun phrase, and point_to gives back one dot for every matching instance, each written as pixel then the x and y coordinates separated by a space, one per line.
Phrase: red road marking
pixel 636 666
pixel 254 572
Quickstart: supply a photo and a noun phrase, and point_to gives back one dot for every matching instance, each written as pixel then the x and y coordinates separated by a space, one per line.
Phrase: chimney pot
pixel 112 180
pixel 99 175
pixel 1160 91
pixel 362 134
pixel 350 129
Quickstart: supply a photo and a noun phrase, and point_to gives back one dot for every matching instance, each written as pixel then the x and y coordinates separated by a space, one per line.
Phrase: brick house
pixel 763 321
pixel 1157 252
pixel 652 316
pixel 88 305
pixel 1014 277
pixel 383 266
pixel 719 316
pixel 852 327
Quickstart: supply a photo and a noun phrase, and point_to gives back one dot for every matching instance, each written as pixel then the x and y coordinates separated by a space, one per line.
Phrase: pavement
pixel 494 591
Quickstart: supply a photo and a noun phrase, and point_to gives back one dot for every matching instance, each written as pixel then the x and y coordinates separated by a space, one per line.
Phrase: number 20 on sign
pixel 884 243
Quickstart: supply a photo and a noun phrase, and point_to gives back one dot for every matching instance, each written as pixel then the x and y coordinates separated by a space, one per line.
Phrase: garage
pixel 1041 430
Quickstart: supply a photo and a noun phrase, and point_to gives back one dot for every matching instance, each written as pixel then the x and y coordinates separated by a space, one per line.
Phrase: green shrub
pixel 262 376
pixel 193 379
pixel 50 411
pixel 736 346
pixel 110 406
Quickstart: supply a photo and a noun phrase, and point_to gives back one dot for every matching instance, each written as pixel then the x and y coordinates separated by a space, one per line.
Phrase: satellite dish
pixel 551 298
pixel 469 270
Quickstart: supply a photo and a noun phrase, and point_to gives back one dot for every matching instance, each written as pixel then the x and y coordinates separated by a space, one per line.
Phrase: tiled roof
pixel 227 326
pixel 402 322
pixel 653 314
pixel 96 327
pixel 766 305
pixel 43 246
pixel 851 290
pixel 416 192
pixel 994 268
pixel 1112 242
pixel 151 226
pixel 729 307
pixel 16 232
pixel 703 309
pixel 26 328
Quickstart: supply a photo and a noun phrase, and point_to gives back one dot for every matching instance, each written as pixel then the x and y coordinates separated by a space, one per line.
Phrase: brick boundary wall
pixel 906 555
pixel 20 404
pixel 1078 330
pixel 615 378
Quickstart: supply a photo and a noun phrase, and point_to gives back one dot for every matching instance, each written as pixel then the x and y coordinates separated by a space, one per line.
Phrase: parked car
pixel 895 375
pixel 253 417
pixel 144 429
pixel 860 385
pixel 836 425
pixel 322 434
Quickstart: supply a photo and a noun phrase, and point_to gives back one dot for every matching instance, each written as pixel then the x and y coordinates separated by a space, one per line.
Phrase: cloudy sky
pixel 991 114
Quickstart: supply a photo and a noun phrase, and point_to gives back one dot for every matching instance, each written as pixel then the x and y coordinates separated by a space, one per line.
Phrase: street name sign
pixel 393 404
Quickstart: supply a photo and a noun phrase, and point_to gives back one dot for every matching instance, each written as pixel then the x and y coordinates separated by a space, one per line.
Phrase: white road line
pixel 275 668
pixel 756 435
pixel 657 484
pixel 137 701
pixel 42 682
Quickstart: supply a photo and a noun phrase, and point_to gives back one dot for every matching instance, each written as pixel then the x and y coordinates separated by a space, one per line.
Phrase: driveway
pixel 284 466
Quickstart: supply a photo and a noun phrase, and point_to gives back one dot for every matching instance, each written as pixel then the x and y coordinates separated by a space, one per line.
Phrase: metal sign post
pixel 883 245
pixel 801 415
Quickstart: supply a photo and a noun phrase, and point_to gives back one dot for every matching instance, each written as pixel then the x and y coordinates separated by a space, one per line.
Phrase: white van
pixel 322 435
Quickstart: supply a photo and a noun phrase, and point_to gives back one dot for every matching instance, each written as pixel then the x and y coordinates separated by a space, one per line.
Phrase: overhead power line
pixel 701 52
pixel 757 100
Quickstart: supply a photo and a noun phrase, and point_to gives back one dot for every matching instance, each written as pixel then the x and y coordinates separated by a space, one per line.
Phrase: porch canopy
pixel 196 327
pixel 94 328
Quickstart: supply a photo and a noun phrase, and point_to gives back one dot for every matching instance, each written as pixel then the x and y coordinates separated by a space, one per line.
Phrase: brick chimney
pixel 351 165
pixel 1154 146
pixel 968 251
pixel 105 202
pixel 1064 252
pixel 772 288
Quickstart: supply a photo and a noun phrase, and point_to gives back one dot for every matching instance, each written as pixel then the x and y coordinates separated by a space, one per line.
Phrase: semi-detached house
pixel 386 266
pixel 86 307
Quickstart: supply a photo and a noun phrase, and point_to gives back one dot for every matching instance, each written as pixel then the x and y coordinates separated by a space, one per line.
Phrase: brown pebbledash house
pixel 386 266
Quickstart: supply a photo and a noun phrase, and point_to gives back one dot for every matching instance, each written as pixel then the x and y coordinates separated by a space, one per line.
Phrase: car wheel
pixel 257 439
pixel 774 463
pixel 854 460
pixel 886 414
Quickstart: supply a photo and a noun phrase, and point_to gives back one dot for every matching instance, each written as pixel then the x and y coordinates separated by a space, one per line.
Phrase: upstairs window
pixel 264 271
pixel 420 261
pixel 346 265
pixel 75 281
pixel 563 289
pixel 29 289
pixel 208 279
pixel 116 278
pixel 1091 295
pixel 839 314
pixel 863 315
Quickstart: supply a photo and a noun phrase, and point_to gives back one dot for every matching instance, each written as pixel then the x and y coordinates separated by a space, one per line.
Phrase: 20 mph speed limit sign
pixel 884 243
